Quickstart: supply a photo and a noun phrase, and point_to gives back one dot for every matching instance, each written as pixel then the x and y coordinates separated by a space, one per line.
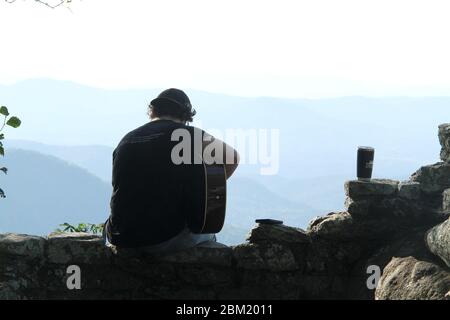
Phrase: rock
pixel 333 225
pixel 272 257
pixel 360 208
pixel 357 190
pixel 317 220
pixel 410 244
pixel 399 209
pixel 342 226
pixel 201 255
pixel 372 209
pixel 324 257
pixel 444 139
pixel 271 290
pixel 446 200
pixel 143 269
pixel 411 279
pixel 438 241
pixel 409 190
pixel 433 179
pixel 77 248
pixel 203 275
pixel 26 246
pixel 10 291
pixel 277 234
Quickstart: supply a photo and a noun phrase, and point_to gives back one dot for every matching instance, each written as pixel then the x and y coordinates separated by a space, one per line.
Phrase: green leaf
pixel 2 194
pixel 2 151
pixel 5 170
pixel 67 227
pixel 4 111
pixel 2 136
pixel 14 122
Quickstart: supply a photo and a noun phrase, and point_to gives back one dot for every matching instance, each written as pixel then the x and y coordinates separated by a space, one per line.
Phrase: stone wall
pixel 402 228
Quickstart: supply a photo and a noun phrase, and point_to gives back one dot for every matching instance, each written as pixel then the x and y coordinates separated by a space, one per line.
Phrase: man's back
pixel 158 201
pixel 149 190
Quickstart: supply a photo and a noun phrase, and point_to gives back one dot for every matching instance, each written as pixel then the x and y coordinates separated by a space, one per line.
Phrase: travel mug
pixel 365 163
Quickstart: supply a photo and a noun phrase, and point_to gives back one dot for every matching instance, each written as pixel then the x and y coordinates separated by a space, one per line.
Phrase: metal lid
pixel 366 148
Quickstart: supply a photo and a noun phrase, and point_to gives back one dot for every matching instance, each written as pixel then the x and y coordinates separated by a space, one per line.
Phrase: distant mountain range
pixel 318 138
pixel 97 160
pixel 43 191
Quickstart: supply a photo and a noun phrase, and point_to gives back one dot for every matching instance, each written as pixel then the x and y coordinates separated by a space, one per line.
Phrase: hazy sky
pixel 293 48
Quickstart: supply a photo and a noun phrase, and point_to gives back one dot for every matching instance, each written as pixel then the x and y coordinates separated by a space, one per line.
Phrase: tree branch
pixel 61 2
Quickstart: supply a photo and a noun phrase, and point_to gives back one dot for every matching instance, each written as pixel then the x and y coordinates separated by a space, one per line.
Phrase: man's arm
pixel 229 157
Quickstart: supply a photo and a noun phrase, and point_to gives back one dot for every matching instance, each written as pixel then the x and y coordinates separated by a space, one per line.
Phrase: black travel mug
pixel 365 163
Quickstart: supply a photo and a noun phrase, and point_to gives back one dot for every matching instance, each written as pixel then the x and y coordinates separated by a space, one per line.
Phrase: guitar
pixel 209 204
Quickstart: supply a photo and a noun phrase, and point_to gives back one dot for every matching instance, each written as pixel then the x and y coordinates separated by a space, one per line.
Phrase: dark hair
pixel 171 109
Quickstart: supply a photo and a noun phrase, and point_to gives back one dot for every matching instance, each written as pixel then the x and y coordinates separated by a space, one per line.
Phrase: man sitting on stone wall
pixel 150 190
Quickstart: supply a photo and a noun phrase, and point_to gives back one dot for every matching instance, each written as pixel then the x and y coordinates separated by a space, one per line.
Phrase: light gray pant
pixel 184 240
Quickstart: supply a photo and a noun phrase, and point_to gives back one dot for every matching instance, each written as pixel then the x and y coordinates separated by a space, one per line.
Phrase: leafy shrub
pixel 82 227
pixel 13 122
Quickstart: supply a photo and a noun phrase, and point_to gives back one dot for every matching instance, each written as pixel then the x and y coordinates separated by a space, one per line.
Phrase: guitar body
pixel 216 198
pixel 208 205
